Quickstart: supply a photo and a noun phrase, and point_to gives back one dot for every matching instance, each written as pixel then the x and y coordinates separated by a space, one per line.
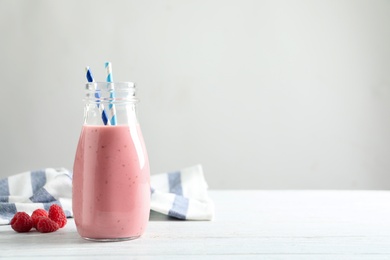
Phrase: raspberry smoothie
pixel 111 187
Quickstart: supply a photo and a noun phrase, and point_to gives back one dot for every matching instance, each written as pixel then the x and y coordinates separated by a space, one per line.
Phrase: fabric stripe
pixel 38 180
pixel 162 201
pixel 42 196
pixel 7 210
pixel 65 204
pixel 179 207
pixel 20 185
pixel 30 190
pixel 174 180
pixel 160 182
pixel 4 188
pixel 193 183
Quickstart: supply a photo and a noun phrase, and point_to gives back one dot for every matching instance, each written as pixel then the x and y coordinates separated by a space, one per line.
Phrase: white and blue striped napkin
pixel 180 194
pixel 31 190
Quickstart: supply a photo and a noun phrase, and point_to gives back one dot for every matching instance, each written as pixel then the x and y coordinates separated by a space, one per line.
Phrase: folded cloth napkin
pixel 180 194
pixel 31 190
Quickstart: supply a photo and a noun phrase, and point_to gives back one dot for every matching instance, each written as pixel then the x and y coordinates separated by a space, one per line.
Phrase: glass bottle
pixel 111 177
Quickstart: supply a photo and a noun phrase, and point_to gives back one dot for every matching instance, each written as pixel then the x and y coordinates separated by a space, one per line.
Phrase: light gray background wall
pixel 264 94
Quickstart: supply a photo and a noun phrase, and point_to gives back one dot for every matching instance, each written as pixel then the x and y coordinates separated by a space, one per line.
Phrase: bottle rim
pixel 109 85
pixel 113 92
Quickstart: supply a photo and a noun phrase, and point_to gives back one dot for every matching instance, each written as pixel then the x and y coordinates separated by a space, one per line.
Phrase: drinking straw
pixel 97 96
pixel 111 106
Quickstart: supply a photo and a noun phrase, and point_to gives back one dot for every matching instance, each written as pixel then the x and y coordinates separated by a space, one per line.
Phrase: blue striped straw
pixel 111 106
pixel 97 96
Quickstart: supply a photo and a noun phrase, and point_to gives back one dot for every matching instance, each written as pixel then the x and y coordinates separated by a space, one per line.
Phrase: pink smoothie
pixel 111 187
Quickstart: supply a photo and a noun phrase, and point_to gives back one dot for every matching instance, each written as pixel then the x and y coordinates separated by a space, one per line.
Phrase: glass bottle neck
pixel 110 103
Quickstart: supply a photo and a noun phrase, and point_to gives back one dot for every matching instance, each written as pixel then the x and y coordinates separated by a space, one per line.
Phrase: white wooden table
pixel 248 224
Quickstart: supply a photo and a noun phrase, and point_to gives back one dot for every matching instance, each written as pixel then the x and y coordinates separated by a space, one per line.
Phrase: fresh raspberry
pixel 46 225
pixel 57 215
pixel 36 214
pixel 21 222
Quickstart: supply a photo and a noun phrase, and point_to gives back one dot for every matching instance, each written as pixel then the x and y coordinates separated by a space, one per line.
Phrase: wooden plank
pixel 277 224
